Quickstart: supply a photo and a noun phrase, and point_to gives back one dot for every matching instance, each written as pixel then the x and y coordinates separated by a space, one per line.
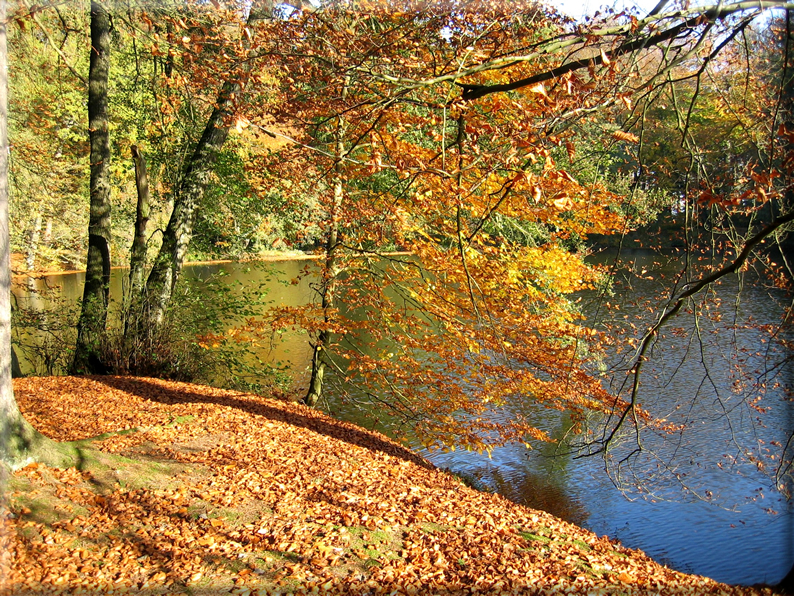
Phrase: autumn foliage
pixel 480 313
pixel 437 145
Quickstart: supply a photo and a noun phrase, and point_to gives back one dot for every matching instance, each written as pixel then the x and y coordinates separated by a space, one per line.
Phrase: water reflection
pixel 521 485
pixel 285 283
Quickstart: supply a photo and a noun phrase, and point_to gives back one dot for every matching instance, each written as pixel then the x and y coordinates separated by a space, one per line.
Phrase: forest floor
pixel 195 490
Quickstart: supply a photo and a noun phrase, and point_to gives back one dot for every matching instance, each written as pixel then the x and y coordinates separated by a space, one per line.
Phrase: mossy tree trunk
pixel 177 235
pixel 331 267
pixel 138 250
pixel 96 293
pixel 786 585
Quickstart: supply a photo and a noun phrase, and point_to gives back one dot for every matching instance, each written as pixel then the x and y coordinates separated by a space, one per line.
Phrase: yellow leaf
pixel 563 201
pixel 241 124
pixel 625 577
pixel 566 176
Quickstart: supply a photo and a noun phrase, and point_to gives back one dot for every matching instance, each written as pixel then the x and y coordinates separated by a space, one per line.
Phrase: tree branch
pixel 58 50
pixel 711 14
pixel 688 290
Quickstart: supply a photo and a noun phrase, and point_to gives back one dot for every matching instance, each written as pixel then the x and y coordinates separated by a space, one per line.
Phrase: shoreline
pixel 263 258
pixel 39 273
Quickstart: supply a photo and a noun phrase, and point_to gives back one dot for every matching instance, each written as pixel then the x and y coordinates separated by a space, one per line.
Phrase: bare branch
pixel 689 290
pixel 58 50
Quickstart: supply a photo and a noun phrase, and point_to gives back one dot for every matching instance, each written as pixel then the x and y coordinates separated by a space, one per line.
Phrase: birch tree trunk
pixel 93 316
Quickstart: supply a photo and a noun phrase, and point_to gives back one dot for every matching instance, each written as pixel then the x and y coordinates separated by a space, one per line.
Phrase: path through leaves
pixel 218 491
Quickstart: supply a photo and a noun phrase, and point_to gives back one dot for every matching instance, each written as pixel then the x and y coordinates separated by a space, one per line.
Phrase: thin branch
pixel 712 14
pixel 58 50
pixel 689 290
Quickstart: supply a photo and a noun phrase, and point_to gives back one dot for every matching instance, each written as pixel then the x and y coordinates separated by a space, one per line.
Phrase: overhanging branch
pixel 689 290
pixel 709 15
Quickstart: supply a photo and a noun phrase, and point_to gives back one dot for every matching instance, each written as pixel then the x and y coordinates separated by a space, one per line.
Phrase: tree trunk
pixel 93 316
pixel 17 437
pixel 327 288
pixel 138 250
pixel 787 103
pixel 176 238
pixel 47 239
pixel 330 271
pixel 33 242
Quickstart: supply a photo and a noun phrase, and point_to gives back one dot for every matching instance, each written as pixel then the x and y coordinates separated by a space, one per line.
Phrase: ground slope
pixel 219 491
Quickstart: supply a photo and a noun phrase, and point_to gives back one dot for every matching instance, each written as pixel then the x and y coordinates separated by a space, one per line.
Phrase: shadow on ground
pixel 294 414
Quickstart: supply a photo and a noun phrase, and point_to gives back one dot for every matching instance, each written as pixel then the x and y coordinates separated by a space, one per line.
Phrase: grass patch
pixel 430 528
pixel 582 545
pixel 530 537
pixel 176 420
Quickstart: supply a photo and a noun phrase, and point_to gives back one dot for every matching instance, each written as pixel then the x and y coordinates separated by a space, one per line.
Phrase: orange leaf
pixel 621 135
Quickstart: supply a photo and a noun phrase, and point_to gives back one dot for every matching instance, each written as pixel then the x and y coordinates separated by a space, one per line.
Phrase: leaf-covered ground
pixel 218 491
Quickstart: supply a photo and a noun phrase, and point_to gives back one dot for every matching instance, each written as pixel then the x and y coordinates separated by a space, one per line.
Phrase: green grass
pixel 530 537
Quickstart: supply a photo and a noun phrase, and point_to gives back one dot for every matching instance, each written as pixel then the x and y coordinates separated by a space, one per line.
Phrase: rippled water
pixel 744 544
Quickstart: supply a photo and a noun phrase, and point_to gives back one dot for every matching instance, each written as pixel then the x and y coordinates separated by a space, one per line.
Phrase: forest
pixel 470 184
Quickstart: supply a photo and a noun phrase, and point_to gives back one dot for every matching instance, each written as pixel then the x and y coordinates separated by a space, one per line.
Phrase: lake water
pixel 748 538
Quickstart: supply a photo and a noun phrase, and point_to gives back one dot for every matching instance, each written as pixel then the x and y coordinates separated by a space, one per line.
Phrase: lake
pixel 748 538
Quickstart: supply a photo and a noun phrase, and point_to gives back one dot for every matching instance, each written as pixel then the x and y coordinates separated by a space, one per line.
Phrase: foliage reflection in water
pixel 701 375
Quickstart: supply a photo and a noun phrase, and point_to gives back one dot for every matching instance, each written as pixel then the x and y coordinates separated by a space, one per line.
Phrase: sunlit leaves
pixel 479 315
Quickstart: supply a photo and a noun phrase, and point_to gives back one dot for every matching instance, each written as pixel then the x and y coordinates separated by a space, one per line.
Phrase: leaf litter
pixel 192 490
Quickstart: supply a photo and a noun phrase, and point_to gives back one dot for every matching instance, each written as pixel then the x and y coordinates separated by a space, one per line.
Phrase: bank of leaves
pixel 196 490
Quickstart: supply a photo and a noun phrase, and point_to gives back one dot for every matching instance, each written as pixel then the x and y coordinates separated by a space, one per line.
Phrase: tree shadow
pixel 290 413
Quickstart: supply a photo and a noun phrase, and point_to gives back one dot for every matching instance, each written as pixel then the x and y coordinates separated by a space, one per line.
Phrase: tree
pixel 737 208
pixel 477 319
pixel 440 141
pixel 18 439
pixel 445 132
pixel 177 236
pixel 96 293
pixel 138 250
pixel 152 299
pixel 47 127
